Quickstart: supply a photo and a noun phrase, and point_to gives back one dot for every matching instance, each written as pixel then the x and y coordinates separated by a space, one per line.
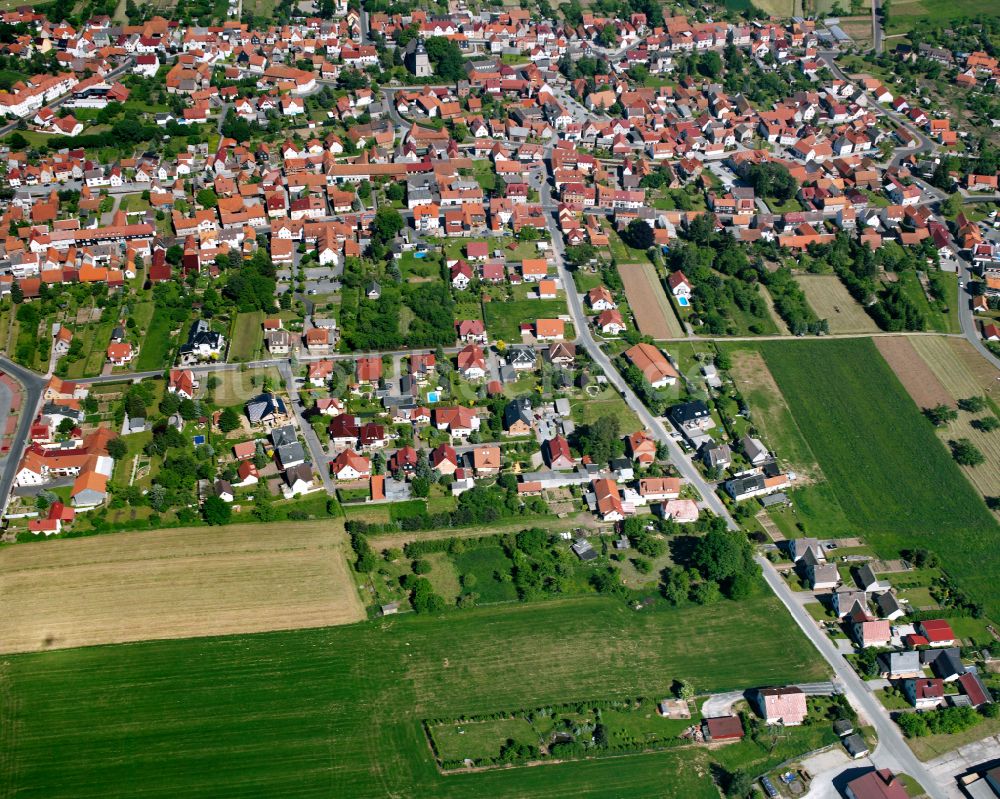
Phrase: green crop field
pixel 339 711
pixel 891 475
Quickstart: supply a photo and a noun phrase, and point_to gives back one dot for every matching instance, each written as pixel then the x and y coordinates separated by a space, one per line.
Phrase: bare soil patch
pixel 180 583
pixel 648 301
pixel 913 372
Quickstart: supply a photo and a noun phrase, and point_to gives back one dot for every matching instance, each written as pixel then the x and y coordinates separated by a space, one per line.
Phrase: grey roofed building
pixel 88 497
pixel 290 455
pixel 855 745
pixel 518 410
pixel 900 665
pixel 716 456
pixel 945 663
pixel 278 340
pixel 688 412
pixel 843 727
pixel 888 606
pixel 583 549
pixel 867 579
pixel 772 500
pixel 201 338
pixel 824 575
pixel 283 435
pixel 302 471
pixel 798 547
pixel 845 600
pixel 549 478
pixel 744 487
pixel 754 450
pixel 520 356
pixel 419 195
pixel 55 409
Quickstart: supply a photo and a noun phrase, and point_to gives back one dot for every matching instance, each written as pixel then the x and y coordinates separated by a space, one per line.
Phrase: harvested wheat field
pixel 965 373
pixel 175 584
pixel 962 370
pixel 648 301
pixel 830 300
pixel 913 372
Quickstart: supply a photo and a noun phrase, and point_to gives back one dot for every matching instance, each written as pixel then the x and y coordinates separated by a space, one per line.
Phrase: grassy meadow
pixel 339 711
pixel 893 478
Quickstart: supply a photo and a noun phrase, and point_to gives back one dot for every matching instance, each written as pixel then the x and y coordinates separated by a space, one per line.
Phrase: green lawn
pixel 247 336
pixel 482 170
pixel 893 478
pixel 940 322
pixel 339 711
pixel 607 404
pixel 504 319
pixel 156 344
pixel 621 252
pixel 420 269
pixel 903 17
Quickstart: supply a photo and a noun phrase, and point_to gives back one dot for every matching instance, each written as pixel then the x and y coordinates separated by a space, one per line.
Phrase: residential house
pixel 471 362
pixel 881 784
pixel 518 420
pixel 653 365
pixel 641 447
pixel 924 693
pixel 349 465
pixel 298 480
pixel 937 632
pixel 182 383
pixel 607 500
pixel 266 409
pixel 781 705
pixel 900 665
pixel 486 459
pixel 459 421
pixel 557 453
pixel 444 459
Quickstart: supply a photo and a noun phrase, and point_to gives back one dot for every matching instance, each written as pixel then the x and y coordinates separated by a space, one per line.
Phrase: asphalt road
pixel 33 386
pixel 892 751
pixel 586 340
pixel 877 34
pixel 321 461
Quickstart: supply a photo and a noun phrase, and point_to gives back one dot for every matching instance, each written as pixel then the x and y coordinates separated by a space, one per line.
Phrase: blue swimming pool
pixel 421 254
pixel 683 302
pixel 432 397
pixel 198 440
